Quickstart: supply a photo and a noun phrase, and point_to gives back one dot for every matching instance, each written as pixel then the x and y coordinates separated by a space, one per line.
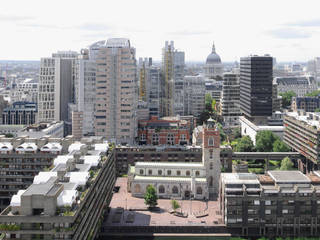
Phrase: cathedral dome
pixel 213 57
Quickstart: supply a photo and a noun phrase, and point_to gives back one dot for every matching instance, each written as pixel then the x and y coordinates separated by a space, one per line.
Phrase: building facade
pixel 20 113
pixel 213 68
pixel 256 86
pixel 307 104
pixel 116 92
pixel 194 95
pixel 300 85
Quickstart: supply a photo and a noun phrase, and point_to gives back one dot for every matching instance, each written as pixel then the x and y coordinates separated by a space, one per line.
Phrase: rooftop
pixel 288 177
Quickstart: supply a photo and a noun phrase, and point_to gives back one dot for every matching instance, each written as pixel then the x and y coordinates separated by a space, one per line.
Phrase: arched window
pixel 199 190
pixel 188 173
pixel 159 172
pixel 137 188
pixel 150 172
pixel 211 181
pixel 197 173
pixel 175 190
pixel 210 141
pixel 161 189
pixel 211 166
pixel 169 172
pixel 178 172
pixel 141 171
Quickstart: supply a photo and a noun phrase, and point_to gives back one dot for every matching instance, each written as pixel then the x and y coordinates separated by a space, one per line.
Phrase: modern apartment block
pixel 230 99
pixel 173 64
pixel 82 110
pixel 20 113
pixel 22 158
pixel 116 91
pixel 67 202
pixel 277 204
pixel 56 86
pixel 194 95
pixel 302 134
pixel 256 86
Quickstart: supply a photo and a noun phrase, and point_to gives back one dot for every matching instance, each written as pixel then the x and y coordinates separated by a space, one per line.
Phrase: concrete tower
pixel 211 156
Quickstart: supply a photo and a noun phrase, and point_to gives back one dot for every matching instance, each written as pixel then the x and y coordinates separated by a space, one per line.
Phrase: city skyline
pixel 286 30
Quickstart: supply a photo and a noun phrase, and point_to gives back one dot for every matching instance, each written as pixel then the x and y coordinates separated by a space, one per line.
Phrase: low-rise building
pixel 20 113
pixel 307 104
pixel 301 85
pixel 278 204
pixel 52 129
pixel 67 202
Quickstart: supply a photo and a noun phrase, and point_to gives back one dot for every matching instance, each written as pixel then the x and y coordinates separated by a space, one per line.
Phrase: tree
pixel 286 164
pixel 313 94
pixel 208 102
pixel 245 144
pixel 280 146
pixel 287 97
pixel 265 140
pixel 223 136
pixel 317 110
pixel 174 204
pixel 150 198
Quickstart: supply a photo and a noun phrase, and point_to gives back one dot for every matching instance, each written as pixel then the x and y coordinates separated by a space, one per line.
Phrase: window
pixel 197 173
pixel 256 202
pixel 210 141
pixel 188 173
pixel 161 189
pixel 169 172
pixel 141 171
pixel 159 172
pixel 199 190
pixel 137 188
pixel 268 211
pixel 211 154
pixel 175 190
pixel 268 202
pixel 178 172
pixel 211 166
pixel 211 181
pixel 150 172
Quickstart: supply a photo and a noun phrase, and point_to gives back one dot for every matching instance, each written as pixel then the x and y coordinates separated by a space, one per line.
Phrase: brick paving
pixel 143 217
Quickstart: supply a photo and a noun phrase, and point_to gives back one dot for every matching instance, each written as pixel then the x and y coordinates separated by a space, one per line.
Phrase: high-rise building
pixel 56 86
pixel 116 91
pixel 173 63
pixel 194 95
pixel 256 86
pixel 82 110
pixel 20 113
pixel 230 101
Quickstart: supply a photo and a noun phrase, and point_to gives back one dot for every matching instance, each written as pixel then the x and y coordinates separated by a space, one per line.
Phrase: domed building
pixel 213 67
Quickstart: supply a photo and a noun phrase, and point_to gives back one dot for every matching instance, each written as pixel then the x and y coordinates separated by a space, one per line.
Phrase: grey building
pixel 20 113
pixel 194 95
pixel 256 86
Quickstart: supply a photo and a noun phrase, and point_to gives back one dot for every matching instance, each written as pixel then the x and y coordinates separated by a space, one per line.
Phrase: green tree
pixel 265 140
pixel 317 110
pixel 280 146
pixel 223 136
pixel 174 204
pixel 208 102
pixel 245 144
pixel 287 97
pixel 286 164
pixel 313 94
pixel 213 105
pixel 151 198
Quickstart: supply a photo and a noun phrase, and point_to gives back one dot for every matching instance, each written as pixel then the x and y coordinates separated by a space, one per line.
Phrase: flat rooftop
pixel 288 177
pixel 169 164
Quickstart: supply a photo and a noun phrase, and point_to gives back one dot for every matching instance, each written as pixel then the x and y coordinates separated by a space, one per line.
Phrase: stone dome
pixel 213 57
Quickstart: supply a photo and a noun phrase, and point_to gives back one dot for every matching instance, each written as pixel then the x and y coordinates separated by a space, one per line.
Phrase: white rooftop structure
pixel 16 199
pixel 5 146
pixel 62 159
pixel 75 147
pixel 43 177
pixel 310 118
pixel 27 147
pixel 67 198
pixel 51 147
pixel 92 160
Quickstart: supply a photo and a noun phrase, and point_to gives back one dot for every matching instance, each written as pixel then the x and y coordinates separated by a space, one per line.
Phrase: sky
pixel 287 29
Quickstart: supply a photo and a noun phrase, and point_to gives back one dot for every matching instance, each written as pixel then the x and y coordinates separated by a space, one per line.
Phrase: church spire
pixel 213 48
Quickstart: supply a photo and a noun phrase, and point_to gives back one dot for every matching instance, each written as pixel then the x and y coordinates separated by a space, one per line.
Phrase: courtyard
pixel 126 210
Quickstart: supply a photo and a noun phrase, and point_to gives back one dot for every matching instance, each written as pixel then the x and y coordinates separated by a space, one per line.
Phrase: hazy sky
pixel 287 29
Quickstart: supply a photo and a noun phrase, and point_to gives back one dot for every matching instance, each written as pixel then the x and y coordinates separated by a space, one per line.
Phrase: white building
pixel 26 91
pixel 182 180
pixel 213 67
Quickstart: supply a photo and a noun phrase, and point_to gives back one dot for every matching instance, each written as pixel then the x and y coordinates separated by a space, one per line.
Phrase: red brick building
pixel 165 131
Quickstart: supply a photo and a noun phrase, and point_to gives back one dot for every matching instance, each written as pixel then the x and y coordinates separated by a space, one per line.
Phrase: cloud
pixel 289 33
pixel 13 18
pixel 308 23
pixel 94 27
pixel 37 25
pixel 189 33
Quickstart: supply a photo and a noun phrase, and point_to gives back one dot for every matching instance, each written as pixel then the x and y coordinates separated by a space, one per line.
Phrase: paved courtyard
pixel 135 212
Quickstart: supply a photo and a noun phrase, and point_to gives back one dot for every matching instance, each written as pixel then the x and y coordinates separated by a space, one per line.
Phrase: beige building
pixel 116 91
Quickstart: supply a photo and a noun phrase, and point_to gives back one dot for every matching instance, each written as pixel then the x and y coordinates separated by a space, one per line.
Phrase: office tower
pixel 230 100
pixel 55 86
pixel 256 86
pixel 82 110
pixel 173 63
pixel 194 95
pixel 143 73
pixel 116 91
pixel 154 91
pixel 213 68
pixel 20 113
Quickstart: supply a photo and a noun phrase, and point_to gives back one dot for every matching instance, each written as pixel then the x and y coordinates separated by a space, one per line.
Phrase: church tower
pixel 211 156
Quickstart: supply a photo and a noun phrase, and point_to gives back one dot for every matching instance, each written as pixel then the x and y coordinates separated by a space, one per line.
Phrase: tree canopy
pixel 287 97
pixel 174 204
pixel 265 140
pixel 286 164
pixel 151 198
pixel 280 146
pixel 244 144
pixel 313 94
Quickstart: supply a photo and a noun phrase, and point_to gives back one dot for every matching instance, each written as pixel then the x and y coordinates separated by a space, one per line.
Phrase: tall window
pixel 155 139
pixel 211 154
pixel 170 139
pixel 161 189
pixel 210 141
